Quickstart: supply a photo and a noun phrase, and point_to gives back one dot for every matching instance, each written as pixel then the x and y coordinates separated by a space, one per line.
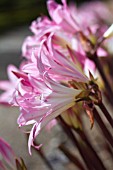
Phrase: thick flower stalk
pixel 40 101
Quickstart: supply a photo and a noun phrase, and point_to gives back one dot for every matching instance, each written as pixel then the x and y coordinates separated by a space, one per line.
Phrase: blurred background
pixel 15 19
pixel 21 12
pixel 15 13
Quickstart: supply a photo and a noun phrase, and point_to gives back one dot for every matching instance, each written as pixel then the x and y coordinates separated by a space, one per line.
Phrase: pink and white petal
pixel 34 131
pixel 26 116
pixel 39 85
pixel 5 85
pixel 89 66
pixel 44 121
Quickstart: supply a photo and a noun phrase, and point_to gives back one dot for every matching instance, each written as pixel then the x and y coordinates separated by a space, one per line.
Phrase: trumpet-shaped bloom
pixel 59 99
pixel 59 65
pixel 41 101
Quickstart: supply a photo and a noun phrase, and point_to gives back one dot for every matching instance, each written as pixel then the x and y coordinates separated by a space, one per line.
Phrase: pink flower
pixel 41 101
pixel 63 26
pixel 43 26
pixel 30 44
pixel 30 67
pixel 7 154
pixel 58 65
pixel 57 99
pixel 52 55
pixel 8 86
pixel 61 15
pixel 97 13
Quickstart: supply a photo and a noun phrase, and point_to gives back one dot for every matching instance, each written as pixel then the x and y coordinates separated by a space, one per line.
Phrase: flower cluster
pixel 55 71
